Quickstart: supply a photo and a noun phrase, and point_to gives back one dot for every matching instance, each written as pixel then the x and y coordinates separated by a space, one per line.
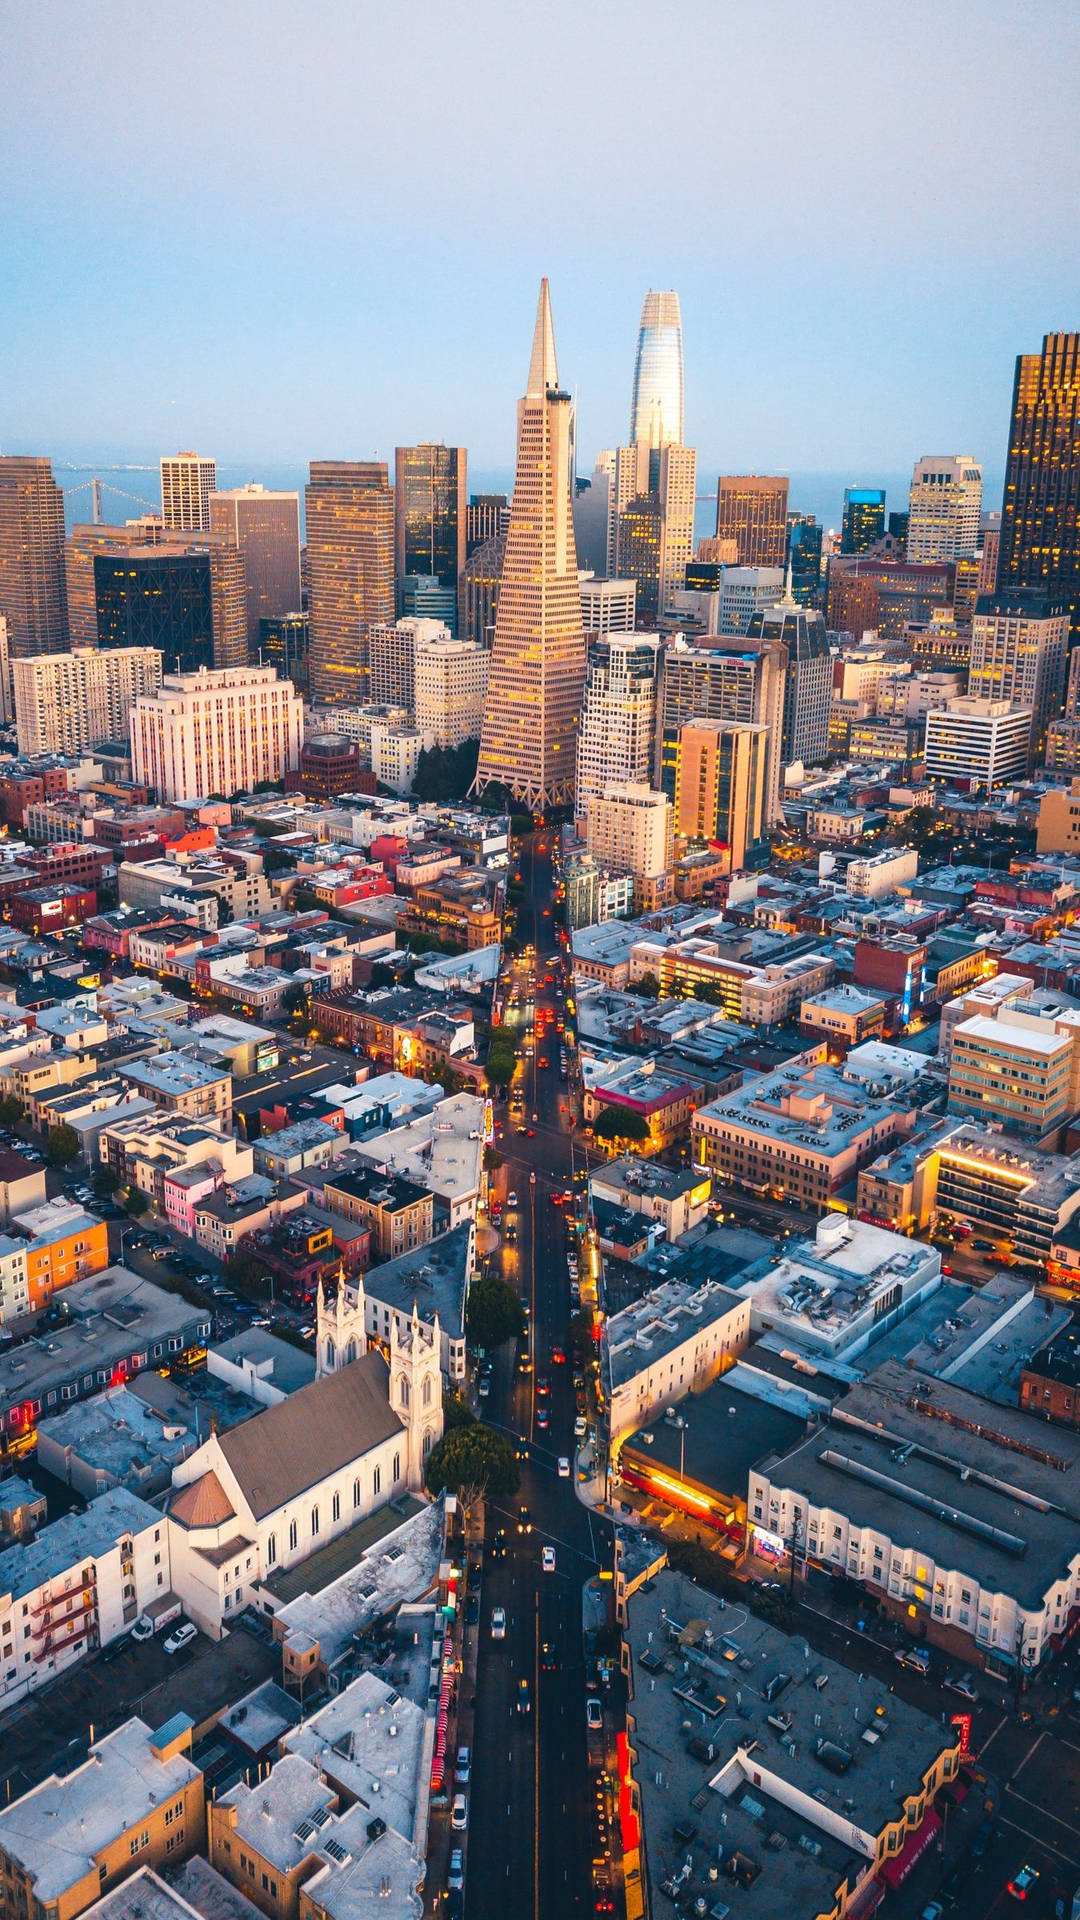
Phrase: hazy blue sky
pixel 273 230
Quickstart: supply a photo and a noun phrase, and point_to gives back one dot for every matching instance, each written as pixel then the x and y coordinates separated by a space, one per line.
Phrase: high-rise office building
pixel 7 695
pixel 864 518
pixel 451 678
pixel 808 679
pixel 350 560
pixel 1040 516
pixel 943 507
pixel 83 544
pixel 65 702
pixel 216 732
pixel 422 596
pixel 743 592
pixel 265 526
pixel 183 593
pixel 721 777
pixel 608 606
pixel 804 557
pixel 284 642
pixel 392 654
pixel 480 592
pixel 751 509
pixel 656 405
pixel 628 829
pixel 652 519
pixel 1019 648
pixel 32 587
pixel 187 481
pixel 743 683
pixel 537 673
pixel 592 514
pixel 486 516
pixel 641 534
pixel 430 517
pixel 616 741
pixel 985 743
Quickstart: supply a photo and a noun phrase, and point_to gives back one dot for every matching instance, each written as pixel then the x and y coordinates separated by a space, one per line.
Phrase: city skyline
pixel 788 364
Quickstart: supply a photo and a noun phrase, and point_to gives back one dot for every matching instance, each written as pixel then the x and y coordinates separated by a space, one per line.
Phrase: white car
pixel 464 1766
pixel 498 1623
pixel 594 1715
pixel 459 1813
pixel 181 1638
pixel 959 1683
pixel 547 1559
pixel 564 1467
pixel 143 1628
pixel 581 1427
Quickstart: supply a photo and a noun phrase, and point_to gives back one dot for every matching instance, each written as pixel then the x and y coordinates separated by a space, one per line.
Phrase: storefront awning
pixel 897 1869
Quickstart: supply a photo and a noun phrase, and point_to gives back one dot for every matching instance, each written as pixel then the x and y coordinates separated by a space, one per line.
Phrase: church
pixel 273 1491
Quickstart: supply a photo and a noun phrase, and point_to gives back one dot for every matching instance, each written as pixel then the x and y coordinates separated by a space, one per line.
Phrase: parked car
pixel 959 1683
pixel 914 1657
pixel 181 1638
pixel 594 1715
pixel 455 1872
pixel 459 1813
pixel 143 1628
pixel 463 1767
pixel 1023 1882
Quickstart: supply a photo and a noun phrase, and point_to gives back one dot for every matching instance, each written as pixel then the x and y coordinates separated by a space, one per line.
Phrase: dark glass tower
pixel 804 557
pixel 429 516
pixel 864 518
pixel 157 599
pixel 1040 515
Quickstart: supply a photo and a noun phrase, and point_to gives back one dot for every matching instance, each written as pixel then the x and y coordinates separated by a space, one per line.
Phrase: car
pixel 563 1467
pixel 524 1696
pixel 455 1871
pixel 543 1385
pixel 182 1638
pixel 982 1838
pixel 521 1452
pixel 1023 1882
pixel 463 1767
pixel 498 1623
pixel 543 1419
pixel 511 1199
pixel 113 1651
pixel 594 1715
pixel 530 1132
pixel 459 1813
pixel 484 1388
pixel 548 1658
pixel 143 1628
pixel 498 1545
pixel 547 1559
pixel 581 1427
pixel 959 1683
pixel 543 1060
pixel 511 1234
pixel 558 1357
pixel 915 1657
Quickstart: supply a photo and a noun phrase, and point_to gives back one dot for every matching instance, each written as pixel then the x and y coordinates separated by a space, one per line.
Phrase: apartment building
pixel 398 1213
pixel 65 702
pixel 1018 1074
pixel 80 1584
pixel 803 1132
pixel 62 1243
pixel 677 1197
pixel 177 1083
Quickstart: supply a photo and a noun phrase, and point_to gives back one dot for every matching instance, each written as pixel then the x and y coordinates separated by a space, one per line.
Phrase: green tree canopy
pixel 62 1146
pixel 648 986
pixel 494 1312
pixel 456 1413
pixel 445 773
pixel 619 1123
pixel 106 1182
pixel 473 1462
pixel 135 1201
pixel 245 1271
pixel 294 999
pixel 10 1110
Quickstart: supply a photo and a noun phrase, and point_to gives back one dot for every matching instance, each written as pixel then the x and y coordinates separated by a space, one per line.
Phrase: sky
pixel 275 232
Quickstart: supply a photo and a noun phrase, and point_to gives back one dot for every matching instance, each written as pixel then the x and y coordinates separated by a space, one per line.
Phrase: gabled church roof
pixel 279 1454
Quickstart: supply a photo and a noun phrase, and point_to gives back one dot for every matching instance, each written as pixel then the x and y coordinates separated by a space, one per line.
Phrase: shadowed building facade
pixel 350 559
pixel 1040 515
pixel 537 674
pixel 32 589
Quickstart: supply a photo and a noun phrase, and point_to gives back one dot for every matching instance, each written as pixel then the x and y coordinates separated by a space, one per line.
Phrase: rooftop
pixel 442 1149
pixel 823 1291
pixel 389 1192
pixel 281 1817
pixel 57 1829
pixel 821 1107
pixel 1060 1359
pixel 400 1564
pixel 714 1438
pixel 757 1753
pixel 173 1074
pixel 73 1540
pixel 368 1740
pixel 666 1318
pixel 434 1278
pixel 111 1315
pixel 645 1177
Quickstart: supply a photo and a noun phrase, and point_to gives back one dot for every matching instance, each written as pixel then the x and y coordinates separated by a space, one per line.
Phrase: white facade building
pixel 745 591
pixel 187 481
pixel 392 654
pixel 67 701
pixel 1019 651
pixel 81 1583
pixel 943 507
pixel 450 682
pixel 674 1341
pixel 216 731
pixel 881 873
pixel 395 754
pixel 985 742
pixel 629 829
pixel 607 606
pixel 616 739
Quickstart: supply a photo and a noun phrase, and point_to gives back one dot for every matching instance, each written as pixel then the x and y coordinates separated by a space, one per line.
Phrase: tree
pixel 620 1123
pixel 456 1413
pixel 10 1110
pixel 494 1312
pixel 106 1183
pixel 501 1059
pixel 62 1146
pixel 135 1202
pixel 245 1271
pixel 492 1159
pixel 445 773
pixel 648 986
pixel 295 999
pixel 473 1461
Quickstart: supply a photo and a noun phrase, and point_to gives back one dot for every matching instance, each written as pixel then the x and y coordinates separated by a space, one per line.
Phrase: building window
pixel 356 1493
pixel 376 1480
pixel 314 1521
pixel 397 1466
pixel 293 1536
pixel 335 1507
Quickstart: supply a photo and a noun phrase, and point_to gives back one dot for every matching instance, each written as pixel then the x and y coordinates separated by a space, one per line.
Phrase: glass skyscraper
pixel 656 408
pixel 429 518
pixel 1040 516
pixel 864 518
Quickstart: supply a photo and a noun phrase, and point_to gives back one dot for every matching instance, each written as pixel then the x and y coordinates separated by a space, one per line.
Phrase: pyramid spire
pixel 543 367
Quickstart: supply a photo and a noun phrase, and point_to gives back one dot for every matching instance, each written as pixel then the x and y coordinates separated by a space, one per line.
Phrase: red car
pixel 558 1357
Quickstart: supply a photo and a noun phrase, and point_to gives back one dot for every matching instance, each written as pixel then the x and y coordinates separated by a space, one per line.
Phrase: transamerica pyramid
pixel 529 730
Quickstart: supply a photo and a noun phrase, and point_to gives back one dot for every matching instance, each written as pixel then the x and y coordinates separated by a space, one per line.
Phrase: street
pixel 530 1825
